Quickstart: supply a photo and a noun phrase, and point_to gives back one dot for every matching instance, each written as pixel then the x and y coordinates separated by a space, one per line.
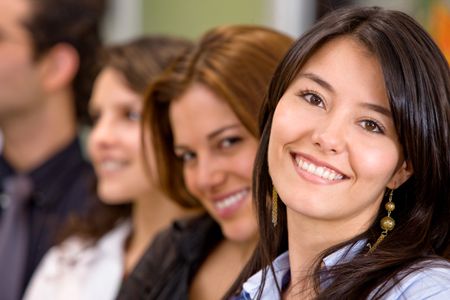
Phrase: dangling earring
pixel 387 223
pixel 274 206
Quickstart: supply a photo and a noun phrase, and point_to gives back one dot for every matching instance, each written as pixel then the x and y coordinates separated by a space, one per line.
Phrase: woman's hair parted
pixel 417 81
pixel 236 63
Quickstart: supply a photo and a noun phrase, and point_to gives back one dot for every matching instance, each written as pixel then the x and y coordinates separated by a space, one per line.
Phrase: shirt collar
pixel 48 176
pixel 282 271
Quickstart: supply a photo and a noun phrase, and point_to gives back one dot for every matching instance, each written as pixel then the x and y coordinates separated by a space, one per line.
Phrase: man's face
pixel 19 85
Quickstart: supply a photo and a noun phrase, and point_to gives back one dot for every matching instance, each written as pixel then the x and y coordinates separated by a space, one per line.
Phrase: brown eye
pixel 371 126
pixel 185 156
pixel 313 99
pixel 229 142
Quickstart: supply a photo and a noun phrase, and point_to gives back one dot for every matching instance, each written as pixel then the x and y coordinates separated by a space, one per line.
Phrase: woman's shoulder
pixel 170 259
pixel 76 248
pixel 76 259
pixel 190 230
pixel 429 279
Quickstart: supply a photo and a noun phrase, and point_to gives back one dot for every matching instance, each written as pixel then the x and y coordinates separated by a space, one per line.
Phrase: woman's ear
pixel 58 67
pixel 400 176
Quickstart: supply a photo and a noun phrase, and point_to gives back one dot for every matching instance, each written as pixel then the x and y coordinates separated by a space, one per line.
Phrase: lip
pixel 227 210
pixel 314 178
pixel 116 166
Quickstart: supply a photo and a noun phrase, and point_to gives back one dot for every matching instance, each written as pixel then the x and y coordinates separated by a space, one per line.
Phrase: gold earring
pixel 387 223
pixel 274 206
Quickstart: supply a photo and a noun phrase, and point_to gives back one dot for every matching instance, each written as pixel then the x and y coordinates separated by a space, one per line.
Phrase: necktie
pixel 14 236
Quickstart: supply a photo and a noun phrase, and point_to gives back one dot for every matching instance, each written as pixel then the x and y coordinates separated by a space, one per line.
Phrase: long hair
pixel 234 62
pixel 417 80
pixel 139 61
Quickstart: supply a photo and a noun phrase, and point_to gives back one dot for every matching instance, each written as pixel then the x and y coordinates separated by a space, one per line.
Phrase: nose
pixel 329 136
pixel 102 134
pixel 210 173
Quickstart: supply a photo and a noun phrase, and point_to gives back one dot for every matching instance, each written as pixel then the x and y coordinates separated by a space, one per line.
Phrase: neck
pixel 247 249
pixel 308 238
pixel 32 137
pixel 242 250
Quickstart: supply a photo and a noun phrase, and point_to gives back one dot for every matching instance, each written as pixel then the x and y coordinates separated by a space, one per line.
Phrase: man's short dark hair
pixel 75 22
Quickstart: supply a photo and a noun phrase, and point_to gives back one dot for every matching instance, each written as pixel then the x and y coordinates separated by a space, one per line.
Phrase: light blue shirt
pixel 425 283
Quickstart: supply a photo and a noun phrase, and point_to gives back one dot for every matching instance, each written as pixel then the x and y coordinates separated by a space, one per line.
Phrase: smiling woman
pixel 217 152
pixel 351 177
pixel 203 116
pixel 335 167
pixel 104 248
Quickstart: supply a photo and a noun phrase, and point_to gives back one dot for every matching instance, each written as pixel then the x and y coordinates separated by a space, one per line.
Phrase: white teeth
pixel 111 165
pixel 230 200
pixel 322 172
pixel 319 171
pixel 305 166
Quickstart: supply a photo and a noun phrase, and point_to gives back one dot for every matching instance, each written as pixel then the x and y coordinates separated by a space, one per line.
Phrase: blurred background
pixel 191 18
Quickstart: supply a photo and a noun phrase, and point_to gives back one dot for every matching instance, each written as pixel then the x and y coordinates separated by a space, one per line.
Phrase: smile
pixel 231 200
pixel 322 172
pixel 111 165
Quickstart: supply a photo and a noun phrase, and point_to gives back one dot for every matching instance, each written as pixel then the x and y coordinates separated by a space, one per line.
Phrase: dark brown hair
pixel 140 61
pixel 74 22
pixel 417 80
pixel 234 62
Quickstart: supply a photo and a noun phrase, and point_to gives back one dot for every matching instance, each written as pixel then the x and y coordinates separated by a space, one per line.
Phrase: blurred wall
pixel 191 18
pixel 123 20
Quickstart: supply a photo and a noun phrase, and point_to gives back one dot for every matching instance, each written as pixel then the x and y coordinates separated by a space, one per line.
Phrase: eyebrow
pixel 319 81
pixel 221 130
pixel 329 87
pixel 210 136
pixel 378 108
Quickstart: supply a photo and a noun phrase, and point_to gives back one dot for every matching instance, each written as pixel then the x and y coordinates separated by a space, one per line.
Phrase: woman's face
pixel 217 153
pixel 333 147
pixel 115 141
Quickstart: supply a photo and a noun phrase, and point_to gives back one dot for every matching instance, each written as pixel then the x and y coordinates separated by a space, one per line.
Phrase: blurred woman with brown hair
pixel 203 117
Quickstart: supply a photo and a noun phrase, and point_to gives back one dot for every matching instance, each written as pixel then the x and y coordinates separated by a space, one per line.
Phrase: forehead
pixel 349 67
pixel 111 86
pixel 341 47
pixel 199 111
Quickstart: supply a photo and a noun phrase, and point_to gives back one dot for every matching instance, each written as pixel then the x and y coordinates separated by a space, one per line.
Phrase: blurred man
pixel 47 54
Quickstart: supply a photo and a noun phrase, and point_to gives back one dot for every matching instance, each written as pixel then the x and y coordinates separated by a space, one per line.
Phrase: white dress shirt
pixel 81 271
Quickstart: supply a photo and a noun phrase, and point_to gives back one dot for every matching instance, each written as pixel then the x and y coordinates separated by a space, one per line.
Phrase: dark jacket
pixel 168 266
pixel 63 186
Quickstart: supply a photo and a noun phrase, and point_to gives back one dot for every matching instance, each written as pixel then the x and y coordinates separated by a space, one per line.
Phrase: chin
pixel 239 232
pixel 109 196
pixel 113 200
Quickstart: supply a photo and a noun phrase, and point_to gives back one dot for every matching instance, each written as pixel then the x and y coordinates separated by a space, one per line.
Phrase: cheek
pixel 17 66
pixel 288 124
pixel 377 161
pixel 129 140
pixel 92 144
pixel 189 181
pixel 245 161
